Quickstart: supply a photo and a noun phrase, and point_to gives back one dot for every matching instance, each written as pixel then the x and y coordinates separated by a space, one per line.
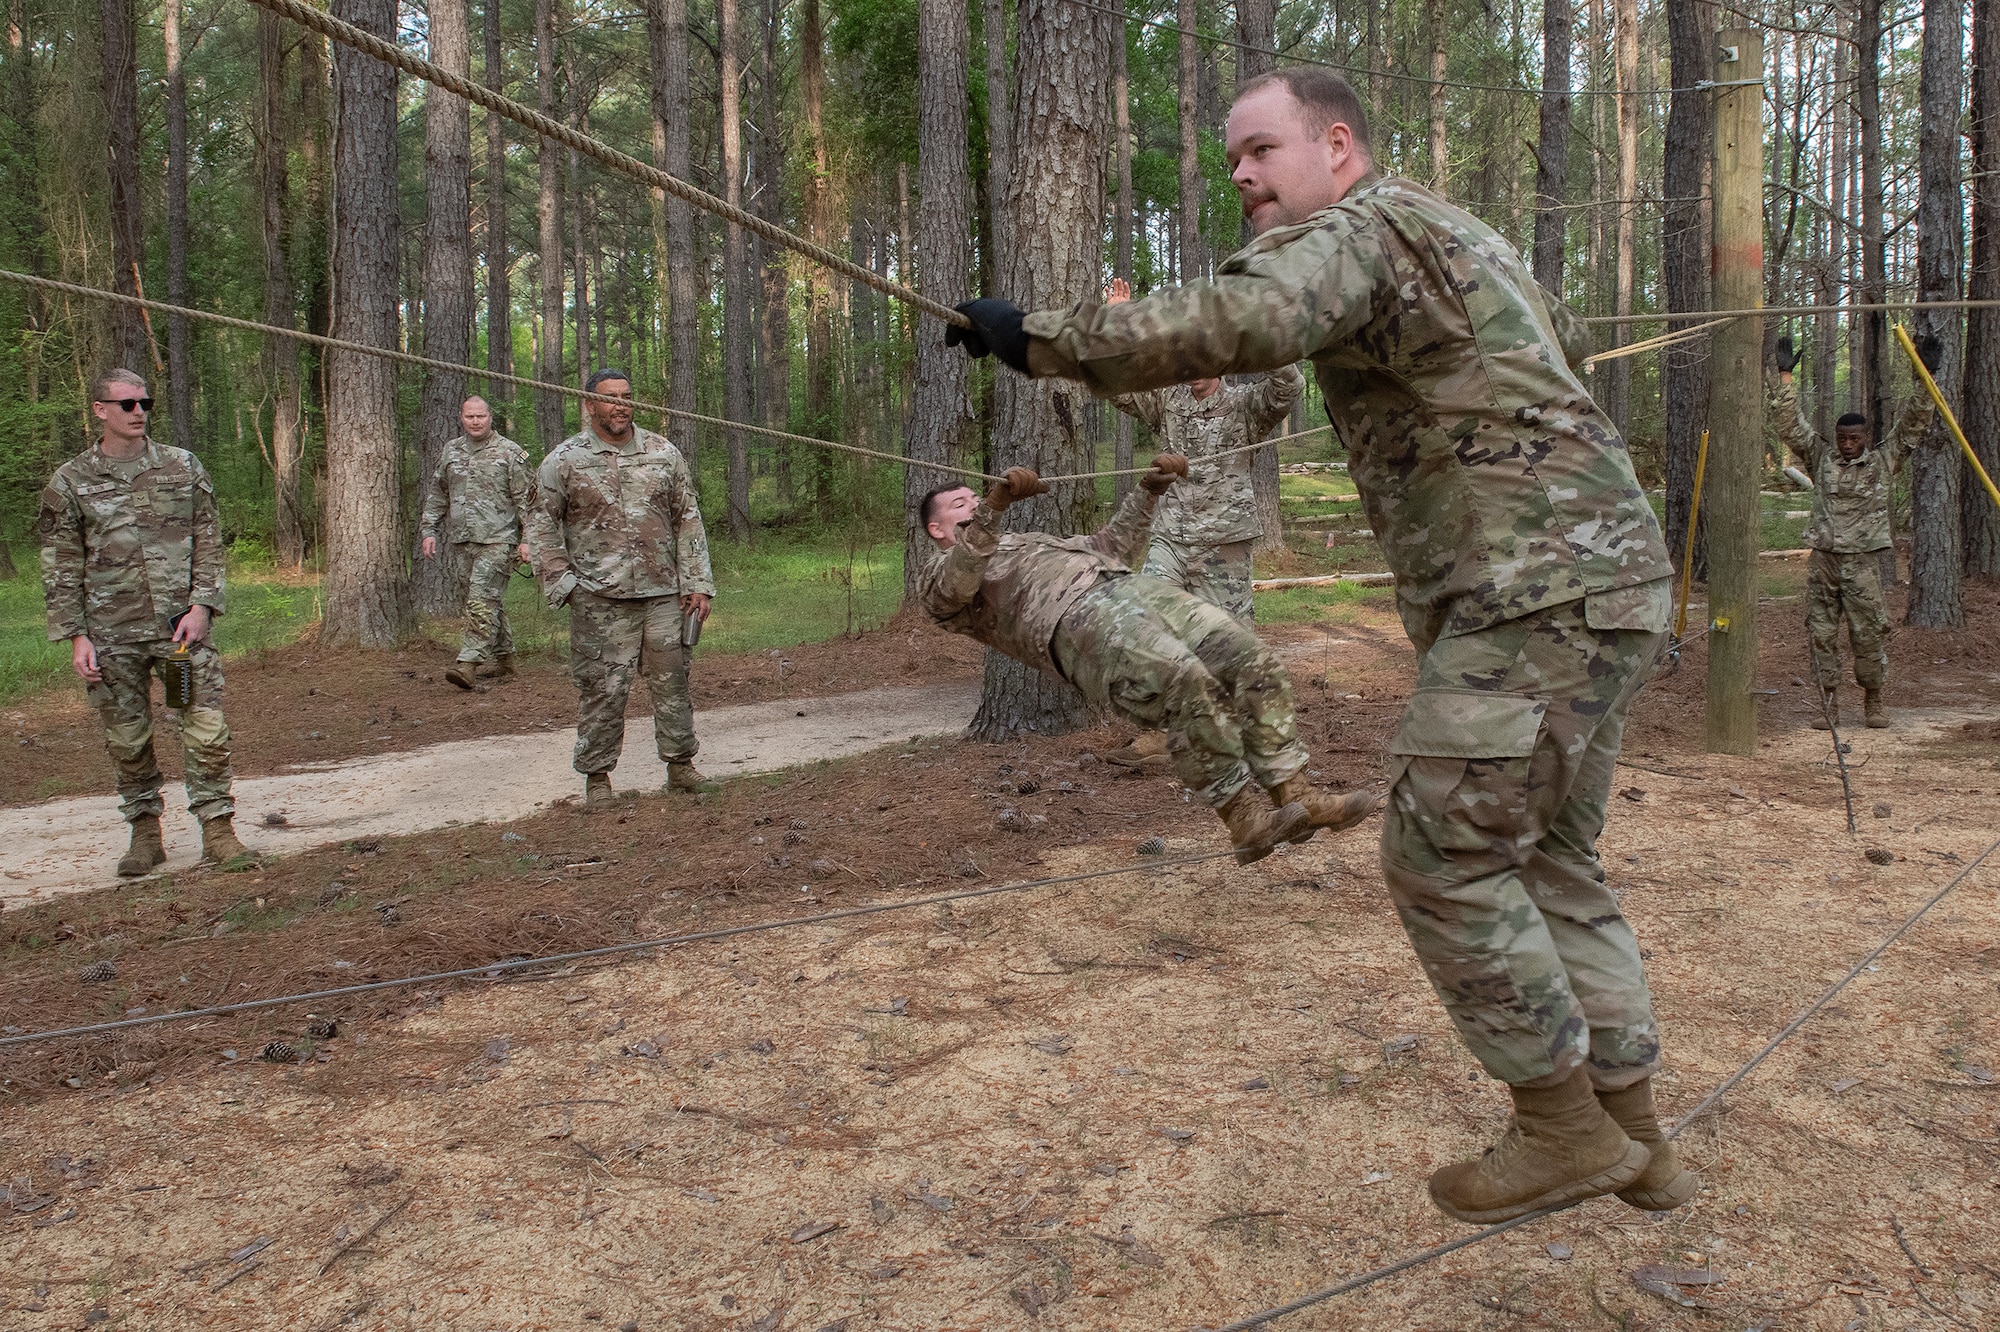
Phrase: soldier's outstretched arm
pixel 1910 428
pixel 1144 407
pixel 1788 419
pixel 954 581
pixel 1124 537
pixel 1271 399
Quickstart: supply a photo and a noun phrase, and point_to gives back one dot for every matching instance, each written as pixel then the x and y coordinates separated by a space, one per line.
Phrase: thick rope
pixel 1655 344
pixel 1788 310
pixel 623 163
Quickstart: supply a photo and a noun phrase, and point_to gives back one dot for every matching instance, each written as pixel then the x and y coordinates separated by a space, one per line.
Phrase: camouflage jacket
pixel 486 487
pixel 1850 506
pixel 1493 482
pixel 1009 590
pixel 128 544
pixel 1215 504
pixel 619 520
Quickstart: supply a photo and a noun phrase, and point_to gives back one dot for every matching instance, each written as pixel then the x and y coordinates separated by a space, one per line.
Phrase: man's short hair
pixel 100 388
pixel 608 372
pixel 1324 99
pixel 927 506
pixel 471 398
pixel 1850 420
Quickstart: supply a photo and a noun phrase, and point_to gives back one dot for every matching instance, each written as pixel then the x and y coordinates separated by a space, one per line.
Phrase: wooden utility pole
pixel 1736 400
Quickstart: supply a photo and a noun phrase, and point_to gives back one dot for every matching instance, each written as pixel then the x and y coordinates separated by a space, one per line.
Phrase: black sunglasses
pixel 127 404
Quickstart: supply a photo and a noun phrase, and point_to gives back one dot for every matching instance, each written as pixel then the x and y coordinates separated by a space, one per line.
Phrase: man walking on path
pixel 1848 531
pixel 616 534
pixel 484 483
pixel 1530 575
pixel 1155 654
pixel 132 574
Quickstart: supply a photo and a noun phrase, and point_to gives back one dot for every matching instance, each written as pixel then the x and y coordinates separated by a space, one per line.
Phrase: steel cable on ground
pixel 494 969
pixel 1480 1236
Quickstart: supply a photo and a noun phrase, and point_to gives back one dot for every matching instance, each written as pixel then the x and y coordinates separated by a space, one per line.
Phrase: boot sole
pixel 128 872
pixel 1637 1157
pixel 1287 825
pixel 466 683
pixel 1676 1192
pixel 1342 824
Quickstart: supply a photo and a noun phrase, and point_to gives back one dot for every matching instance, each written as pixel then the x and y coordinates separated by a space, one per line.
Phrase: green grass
pixel 1335 603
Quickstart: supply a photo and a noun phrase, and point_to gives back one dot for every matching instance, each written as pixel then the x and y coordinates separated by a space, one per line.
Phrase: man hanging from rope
pixel 1530 574
pixel 1151 652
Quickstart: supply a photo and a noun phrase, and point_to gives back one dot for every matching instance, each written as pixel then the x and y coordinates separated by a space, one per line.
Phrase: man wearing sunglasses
pixel 132 574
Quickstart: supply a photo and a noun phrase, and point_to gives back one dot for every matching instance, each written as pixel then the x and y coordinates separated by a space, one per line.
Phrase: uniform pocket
pixel 1469 724
pixel 1648 606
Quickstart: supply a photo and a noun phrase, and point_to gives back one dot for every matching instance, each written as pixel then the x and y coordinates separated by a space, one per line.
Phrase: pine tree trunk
pixel 129 342
pixel 1936 600
pixel 1874 251
pixel 1979 520
pixel 999 128
pixel 1617 402
pixel 180 370
pixel 666 28
pixel 941 418
pixel 1552 152
pixel 549 408
pixel 736 280
pixel 499 284
pixel 820 360
pixel 1194 189
pixel 366 605
pixel 1256 26
pixel 1684 259
pixel 280 355
pixel 447 296
pixel 577 213
pixel 1832 269
pixel 1122 217
pixel 1055 217
pixel 1440 159
pixel 776 350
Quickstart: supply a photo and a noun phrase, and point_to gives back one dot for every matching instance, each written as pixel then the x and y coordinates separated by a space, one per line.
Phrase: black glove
pixel 996 329
pixel 1787 358
pixel 1930 350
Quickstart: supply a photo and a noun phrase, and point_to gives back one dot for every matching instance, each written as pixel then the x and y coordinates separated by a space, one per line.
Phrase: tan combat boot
pixel 146 850
pixel 1562 1148
pixel 1255 831
pixel 686 777
pixel 1871 706
pixel 219 843
pixel 1326 809
pixel 597 795
pixel 500 668
pixel 1829 718
pixel 1147 750
pixel 461 674
pixel 1665 1183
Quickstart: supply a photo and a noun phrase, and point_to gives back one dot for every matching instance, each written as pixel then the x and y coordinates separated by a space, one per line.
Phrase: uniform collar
pixel 599 444
pixel 144 460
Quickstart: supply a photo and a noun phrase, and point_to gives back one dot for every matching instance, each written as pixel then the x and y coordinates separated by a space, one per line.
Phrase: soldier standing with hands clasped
pixel 484 482
pixel 1530 575
pixel 132 574
pixel 616 534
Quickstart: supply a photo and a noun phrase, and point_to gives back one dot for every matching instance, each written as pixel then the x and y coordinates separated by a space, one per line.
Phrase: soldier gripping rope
pixel 1530 575
pixel 132 573
pixel 616 535
pixel 1155 654
pixel 484 483
pixel 1848 530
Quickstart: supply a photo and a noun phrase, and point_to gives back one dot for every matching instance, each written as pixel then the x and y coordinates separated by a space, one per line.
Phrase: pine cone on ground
pixel 98 972
pixel 278 1052
pixel 321 1028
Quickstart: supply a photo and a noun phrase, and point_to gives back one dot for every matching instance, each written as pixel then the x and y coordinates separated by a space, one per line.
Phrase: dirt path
pixel 66 846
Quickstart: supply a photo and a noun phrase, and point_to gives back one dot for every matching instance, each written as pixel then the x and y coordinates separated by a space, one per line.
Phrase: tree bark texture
pixel 129 341
pixel 1873 324
pixel 180 369
pixel 1684 373
pixel 1121 220
pixel 666 28
pixel 366 605
pixel 280 355
pixel 1256 26
pixel 1194 189
pixel 941 414
pixel 1552 150
pixel 1936 600
pixel 549 409
pixel 999 126
pixel 447 297
pixel 1055 210
pixel 1618 374
pixel 820 361
pixel 736 278
pixel 776 342
pixel 499 273
pixel 1979 520
pixel 1440 158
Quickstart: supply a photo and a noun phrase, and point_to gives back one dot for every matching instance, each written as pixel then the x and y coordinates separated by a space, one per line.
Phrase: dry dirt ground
pixel 1158 1100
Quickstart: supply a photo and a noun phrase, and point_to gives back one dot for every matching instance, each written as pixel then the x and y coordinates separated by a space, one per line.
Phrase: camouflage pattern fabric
pixel 1850 506
pixel 612 639
pixel 1167 660
pixel 1215 504
pixel 124 703
pixel 1219 575
pixel 487 633
pixel 1010 590
pixel 1495 485
pixel 485 486
pixel 619 520
pixel 128 544
pixel 1849 585
pixel 1502 769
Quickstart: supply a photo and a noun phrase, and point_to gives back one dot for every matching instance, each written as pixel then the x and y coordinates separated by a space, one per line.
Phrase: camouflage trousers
pixel 612 639
pixel 1219 575
pixel 1849 585
pixel 1157 656
pixel 124 703
pixel 487 635
pixel 1499 779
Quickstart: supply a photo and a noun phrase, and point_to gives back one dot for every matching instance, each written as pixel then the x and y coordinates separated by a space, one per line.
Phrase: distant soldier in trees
pixel 1148 650
pixel 615 533
pixel 483 483
pixel 1530 575
pixel 133 578
pixel 1848 530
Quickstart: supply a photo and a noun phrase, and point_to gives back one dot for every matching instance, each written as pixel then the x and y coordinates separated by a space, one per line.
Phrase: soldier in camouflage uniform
pixel 1530 575
pixel 484 481
pixel 1155 654
pixel 132 575
pixel 616 534
pixel 1848 530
